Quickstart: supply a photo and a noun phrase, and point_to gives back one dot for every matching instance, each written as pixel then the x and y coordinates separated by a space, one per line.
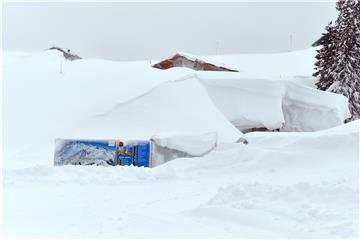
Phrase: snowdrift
pixel 273 104
pixel 169 146
pixel 47 97
pixel 279 185
pixel 283 185
pixel 194 103
pixel 286 138
pixel 195 145
pixel 178 106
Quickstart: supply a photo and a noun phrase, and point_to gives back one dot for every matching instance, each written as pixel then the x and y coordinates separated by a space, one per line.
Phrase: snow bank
pixel 169 146
pixel 170 107
pixel 45 95
pixel 247 103
pixel 307 109
pixel 195 145
pixel 350 127
pixel 273 104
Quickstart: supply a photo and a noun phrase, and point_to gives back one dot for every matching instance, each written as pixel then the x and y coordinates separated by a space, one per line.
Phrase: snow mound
pixel 195 145
pixel 274 104
pixel 45 96
pixel 59 98
pixel 293 138
pixel 170 146
pixel 180 106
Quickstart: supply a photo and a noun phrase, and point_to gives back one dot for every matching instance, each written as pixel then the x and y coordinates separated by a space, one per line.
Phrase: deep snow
pixel 193 144
pixel 275 187
pixel 278 185
pixel 275 104
pixel 46 97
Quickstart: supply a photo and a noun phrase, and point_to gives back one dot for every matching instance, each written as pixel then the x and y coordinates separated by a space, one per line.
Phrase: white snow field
pixel 296 66
pixel 279 185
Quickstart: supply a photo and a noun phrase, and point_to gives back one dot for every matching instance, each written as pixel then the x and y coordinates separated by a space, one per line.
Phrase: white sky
pixel 137 31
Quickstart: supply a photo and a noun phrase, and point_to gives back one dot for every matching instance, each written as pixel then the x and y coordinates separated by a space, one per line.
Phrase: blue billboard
pixel 136 154
pixel 102 152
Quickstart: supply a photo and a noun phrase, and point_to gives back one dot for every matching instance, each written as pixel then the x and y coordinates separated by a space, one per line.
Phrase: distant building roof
pixel 67 54
pixel 199 63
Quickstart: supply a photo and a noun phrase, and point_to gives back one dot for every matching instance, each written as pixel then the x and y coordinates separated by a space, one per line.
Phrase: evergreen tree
pixel 347 60
pixel 325 57
pixel 338 61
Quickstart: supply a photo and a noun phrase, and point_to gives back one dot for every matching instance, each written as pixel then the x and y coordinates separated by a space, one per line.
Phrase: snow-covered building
pixel 138 101
pixel 225 103
pixel 197 63
pixel 251 103
pixel 67 54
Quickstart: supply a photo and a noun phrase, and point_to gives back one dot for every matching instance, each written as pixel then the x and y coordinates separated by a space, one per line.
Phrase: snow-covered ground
pixel 276 186
pixel 297 66
pixel 279 185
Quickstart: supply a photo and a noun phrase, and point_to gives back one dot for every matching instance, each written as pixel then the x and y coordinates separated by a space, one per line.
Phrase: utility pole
pixel 291 42
pixel 217 48
pixel 61 63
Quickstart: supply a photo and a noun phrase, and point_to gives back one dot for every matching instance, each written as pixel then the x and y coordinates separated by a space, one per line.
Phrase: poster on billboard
pixel 102 152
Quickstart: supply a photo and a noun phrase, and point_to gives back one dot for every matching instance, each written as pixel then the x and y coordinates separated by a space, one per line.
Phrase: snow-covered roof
pixel 174 106
pixel 67 54
pixel 199 58
pixel 250 102
pixel 193 144
pixel 202 58
pixel 207 102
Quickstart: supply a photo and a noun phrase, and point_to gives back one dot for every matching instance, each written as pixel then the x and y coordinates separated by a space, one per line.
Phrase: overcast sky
pixel 137 31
